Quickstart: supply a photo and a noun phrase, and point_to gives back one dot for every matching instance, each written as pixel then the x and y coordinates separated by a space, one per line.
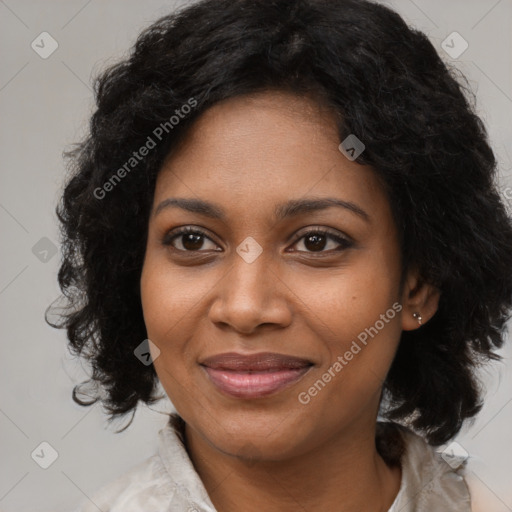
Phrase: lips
pixel 263 361
pixel 256 375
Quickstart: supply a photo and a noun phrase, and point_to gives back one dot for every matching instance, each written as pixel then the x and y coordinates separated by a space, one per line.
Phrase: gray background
pixel 45 105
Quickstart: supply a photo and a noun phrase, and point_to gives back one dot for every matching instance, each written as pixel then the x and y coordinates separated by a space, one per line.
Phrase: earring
pixel 417 316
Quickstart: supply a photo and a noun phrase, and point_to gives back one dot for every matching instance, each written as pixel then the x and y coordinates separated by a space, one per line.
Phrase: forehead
pixel 257 150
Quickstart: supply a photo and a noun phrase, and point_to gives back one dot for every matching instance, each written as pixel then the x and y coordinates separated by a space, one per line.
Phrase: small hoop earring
pixel 417 316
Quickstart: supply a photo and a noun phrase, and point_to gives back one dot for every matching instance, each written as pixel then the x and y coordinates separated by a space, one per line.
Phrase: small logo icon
pixel 44 45
pixel 44 250
pixel 454 45
pixel 351 147
pixel 454 454
pixel 45 455
pixel 147 352
pixel 249 249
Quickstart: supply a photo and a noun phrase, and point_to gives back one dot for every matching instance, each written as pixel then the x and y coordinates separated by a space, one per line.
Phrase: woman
pixel 286 214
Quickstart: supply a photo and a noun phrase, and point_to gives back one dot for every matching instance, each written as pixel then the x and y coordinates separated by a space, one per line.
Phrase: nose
pixel 250 296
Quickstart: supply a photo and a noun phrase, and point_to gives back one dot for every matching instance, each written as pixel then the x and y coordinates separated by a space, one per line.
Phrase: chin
pixel 256 434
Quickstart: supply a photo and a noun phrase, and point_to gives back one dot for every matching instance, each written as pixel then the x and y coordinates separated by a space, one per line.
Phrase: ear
pixel 418 297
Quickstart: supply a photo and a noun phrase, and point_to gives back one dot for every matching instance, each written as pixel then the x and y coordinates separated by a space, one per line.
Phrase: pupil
pixel 192 241
pixel 318 242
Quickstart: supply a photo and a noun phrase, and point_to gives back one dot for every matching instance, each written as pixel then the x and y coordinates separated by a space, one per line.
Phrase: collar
pixel 189 491
pixel 428 481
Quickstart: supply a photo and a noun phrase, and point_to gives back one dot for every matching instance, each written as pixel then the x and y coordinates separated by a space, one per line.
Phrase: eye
pixel 189 239
pixel 316 240
pixel 192 239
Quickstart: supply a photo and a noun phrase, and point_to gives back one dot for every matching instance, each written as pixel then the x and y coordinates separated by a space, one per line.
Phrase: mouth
pixel 256 375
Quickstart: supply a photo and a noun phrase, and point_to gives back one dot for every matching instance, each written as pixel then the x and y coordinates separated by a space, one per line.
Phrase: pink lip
pixel 254 384
pixel 257 362
pixel 254 375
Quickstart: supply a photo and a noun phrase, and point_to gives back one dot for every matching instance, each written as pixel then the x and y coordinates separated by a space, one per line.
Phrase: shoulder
pixel 438 480
pixel 164 481
pixel 430 480
pixel 482 498
pixel 144 487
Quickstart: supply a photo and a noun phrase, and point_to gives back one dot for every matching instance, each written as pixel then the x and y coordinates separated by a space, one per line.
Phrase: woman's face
pixel 256 280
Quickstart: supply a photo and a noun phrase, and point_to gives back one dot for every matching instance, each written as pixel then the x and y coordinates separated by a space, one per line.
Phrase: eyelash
pixel 344 242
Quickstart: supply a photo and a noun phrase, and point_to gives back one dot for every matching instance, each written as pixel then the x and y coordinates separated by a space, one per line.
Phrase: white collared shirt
pixel 168 482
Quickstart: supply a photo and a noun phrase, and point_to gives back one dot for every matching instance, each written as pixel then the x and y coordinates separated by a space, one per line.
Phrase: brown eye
pixel 318 240
pixel 315 242
pixel 188 240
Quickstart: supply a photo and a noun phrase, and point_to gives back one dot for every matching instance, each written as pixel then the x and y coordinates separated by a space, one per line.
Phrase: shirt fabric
pixel 168 482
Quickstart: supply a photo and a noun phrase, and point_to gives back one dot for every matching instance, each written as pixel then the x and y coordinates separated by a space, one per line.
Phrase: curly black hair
pixel 388 86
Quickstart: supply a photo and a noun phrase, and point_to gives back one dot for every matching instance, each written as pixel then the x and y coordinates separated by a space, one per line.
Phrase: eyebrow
pixel 282 211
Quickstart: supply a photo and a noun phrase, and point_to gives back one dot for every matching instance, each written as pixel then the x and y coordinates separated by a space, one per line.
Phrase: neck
pixel 344 474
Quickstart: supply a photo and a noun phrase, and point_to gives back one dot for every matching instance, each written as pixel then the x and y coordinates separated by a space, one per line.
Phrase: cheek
pixel 163 312
pixel 357 317
pixel 153 299
pixel 163 309
pixel 167 297
pixel 171 301
pixel 341 303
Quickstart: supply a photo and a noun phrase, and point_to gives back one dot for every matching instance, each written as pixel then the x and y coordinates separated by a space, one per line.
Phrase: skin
pixel 248 154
